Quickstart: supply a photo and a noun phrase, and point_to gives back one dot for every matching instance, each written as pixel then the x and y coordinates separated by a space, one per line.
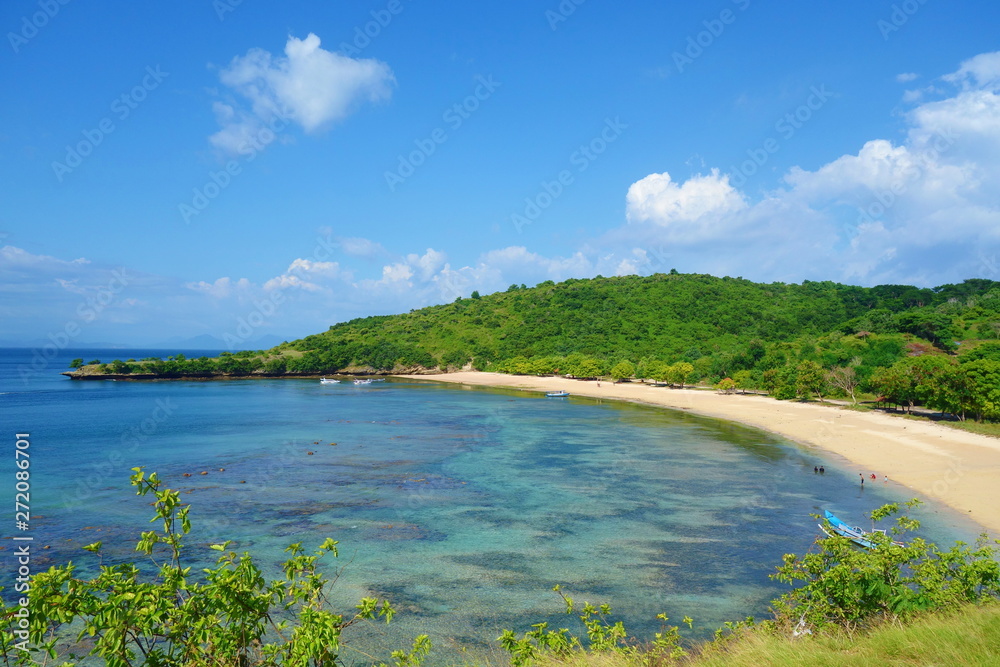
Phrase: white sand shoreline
pixel 958 469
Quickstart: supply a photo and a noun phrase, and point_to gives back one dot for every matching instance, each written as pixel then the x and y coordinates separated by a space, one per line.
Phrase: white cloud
pixel 906 77
pixel 428 263
pixel 309 85
pixel 309 275
pixel 924 211
pixel 982 71
pixel 659 200
pixel 14 258
pixel 398 275
pixel 221 288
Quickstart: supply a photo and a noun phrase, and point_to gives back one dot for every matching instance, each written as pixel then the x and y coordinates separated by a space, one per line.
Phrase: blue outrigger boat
pixel 557 394
pixel 853 533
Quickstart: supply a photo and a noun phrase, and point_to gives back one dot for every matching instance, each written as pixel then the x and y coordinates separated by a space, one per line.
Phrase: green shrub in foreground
pixel 232 616
pixel 840 588
pixel 844 585
pixel 229 616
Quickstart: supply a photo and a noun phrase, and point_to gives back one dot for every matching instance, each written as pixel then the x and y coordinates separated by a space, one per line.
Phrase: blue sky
pixel 248 169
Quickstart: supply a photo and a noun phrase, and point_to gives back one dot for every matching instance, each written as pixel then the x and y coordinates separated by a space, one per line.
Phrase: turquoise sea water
pixel 462 506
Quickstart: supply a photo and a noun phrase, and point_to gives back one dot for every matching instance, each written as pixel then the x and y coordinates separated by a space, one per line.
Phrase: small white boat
pixel 557 394
pixel 365 381
pixel 328 381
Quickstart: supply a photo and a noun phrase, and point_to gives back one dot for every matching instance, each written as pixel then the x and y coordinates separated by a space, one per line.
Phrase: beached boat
pixel 557 394
pixel 834 526
pixel 328 381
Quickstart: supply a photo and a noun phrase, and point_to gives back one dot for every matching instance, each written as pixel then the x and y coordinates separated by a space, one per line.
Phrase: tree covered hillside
pixel 903 343
pixel 660 316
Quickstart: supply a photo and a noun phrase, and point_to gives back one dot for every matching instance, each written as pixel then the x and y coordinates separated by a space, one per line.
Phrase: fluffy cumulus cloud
pixel 309 86
pixel 924 210
pixel 659 199
pixel 982 71
pixel 309 275
pixel 412 272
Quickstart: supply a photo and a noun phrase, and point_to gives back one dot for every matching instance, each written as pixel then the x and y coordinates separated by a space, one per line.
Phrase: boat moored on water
pixel 834 527
pixel 360 381
pixel 556 394
pixel 329 381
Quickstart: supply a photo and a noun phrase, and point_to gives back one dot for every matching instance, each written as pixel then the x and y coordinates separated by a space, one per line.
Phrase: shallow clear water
pixel 462 506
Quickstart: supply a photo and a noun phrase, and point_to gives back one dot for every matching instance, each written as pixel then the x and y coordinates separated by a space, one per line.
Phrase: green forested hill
pixel 789 339
pixel 662 316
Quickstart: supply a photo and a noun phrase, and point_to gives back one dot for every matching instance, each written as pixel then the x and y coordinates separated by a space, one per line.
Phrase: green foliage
pixel 603 636
pixel 745 380
pixel 791 340
pixel 588 368
pixel 76 363
pixel 987 350
pixel 842 584
pixel 679 373
pixel 785 392
pixel 810 378
pixel 983 378
pixel 230 615
pixel 622 370
pixel 726 385
pixel 942 384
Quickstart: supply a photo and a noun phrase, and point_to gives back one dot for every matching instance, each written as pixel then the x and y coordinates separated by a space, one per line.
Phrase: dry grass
pixel 970 636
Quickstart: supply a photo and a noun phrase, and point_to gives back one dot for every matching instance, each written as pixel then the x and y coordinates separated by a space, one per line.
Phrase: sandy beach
pixel 959 469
